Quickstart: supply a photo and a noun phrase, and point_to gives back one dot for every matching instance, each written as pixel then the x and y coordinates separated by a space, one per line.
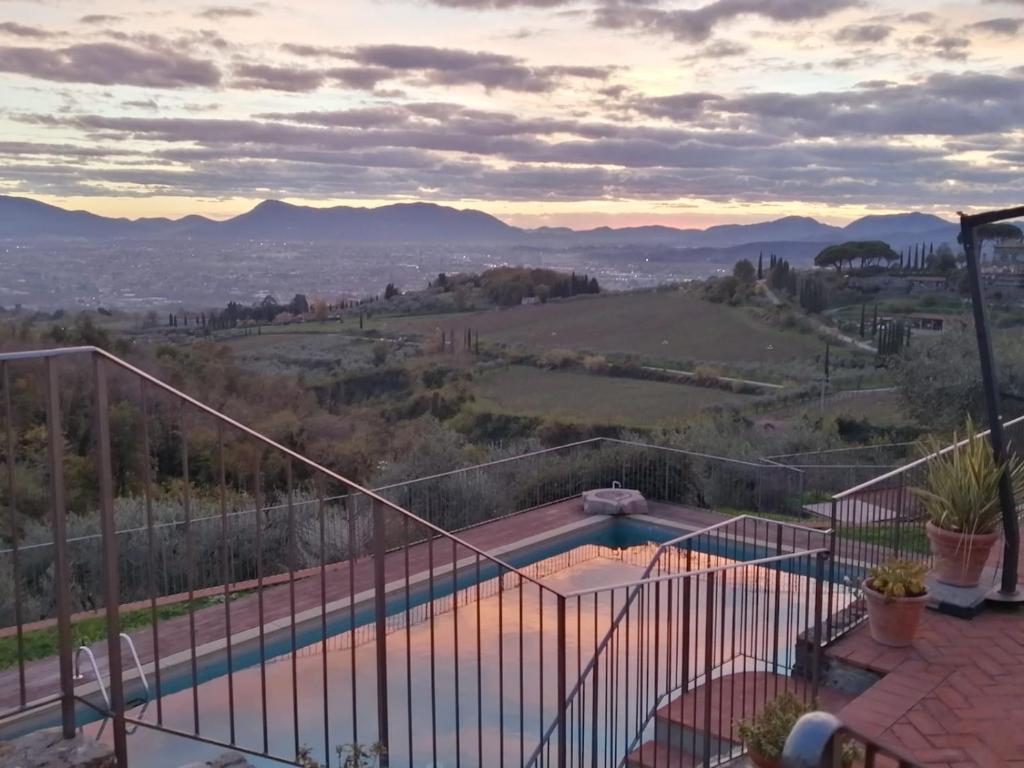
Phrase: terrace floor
pixel 953 699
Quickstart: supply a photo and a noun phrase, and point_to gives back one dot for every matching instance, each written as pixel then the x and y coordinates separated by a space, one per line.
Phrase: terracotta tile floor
pixel 955 698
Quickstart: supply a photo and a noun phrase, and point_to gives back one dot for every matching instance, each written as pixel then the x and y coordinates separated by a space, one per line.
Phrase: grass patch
pixel 42 643
pixel 668 326
pixel 912 537
pixel 582 397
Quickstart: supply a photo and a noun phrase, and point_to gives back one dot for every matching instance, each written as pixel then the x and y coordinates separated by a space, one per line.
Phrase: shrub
pixel 767 733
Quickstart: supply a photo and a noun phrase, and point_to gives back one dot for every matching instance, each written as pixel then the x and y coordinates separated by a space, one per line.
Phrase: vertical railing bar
pixel 12 497
pixel 522 679
pixel 408 636
pixel 594 694
pixel 455 628
pixel 560 675
pixel 816 661
pixel 189 567
pixel 832 566
pixel 352 510
pixel 226 578
pixel 322 514
pixel 258 483
pixel 479 673
pixel 62 576
pixel 777 607
pixel 433 657
pixel 381 633
pixel 292 556
pixel 112 591
pixel 147 495
pixel 709 643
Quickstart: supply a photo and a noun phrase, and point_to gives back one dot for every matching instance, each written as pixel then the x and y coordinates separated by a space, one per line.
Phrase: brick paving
pixel 954 699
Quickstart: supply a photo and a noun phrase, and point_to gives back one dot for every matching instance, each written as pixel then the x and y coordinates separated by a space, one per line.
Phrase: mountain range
pixel 22 218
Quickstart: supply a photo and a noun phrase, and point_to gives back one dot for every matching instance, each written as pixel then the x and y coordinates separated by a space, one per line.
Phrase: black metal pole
pixel 1011 528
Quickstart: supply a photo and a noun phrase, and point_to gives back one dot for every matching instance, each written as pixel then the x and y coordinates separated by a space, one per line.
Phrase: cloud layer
pixel 814 102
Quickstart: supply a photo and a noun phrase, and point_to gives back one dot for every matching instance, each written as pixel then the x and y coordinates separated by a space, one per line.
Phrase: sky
pixel 542 112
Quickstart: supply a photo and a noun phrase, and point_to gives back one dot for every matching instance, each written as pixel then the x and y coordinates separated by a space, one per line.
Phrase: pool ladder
pixel 84 650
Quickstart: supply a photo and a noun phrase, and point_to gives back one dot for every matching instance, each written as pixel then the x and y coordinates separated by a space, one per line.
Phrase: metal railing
pixel 883 518
pixel 698 643
pixel 819 740
pixel 224 552
pixel 453 501
pixel 186 454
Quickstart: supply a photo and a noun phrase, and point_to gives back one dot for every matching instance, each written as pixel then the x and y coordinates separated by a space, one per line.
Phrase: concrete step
pixel 680 724
pixel 651 754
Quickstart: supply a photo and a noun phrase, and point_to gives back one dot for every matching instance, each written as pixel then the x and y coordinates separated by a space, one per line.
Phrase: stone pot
pixel 959 557
pixel 893 621
pixel 760 760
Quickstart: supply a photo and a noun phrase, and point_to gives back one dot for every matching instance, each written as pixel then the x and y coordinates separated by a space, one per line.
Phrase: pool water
pixel 488 708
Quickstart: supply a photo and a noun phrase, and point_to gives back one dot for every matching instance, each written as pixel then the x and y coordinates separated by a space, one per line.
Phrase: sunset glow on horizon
pixel 574 113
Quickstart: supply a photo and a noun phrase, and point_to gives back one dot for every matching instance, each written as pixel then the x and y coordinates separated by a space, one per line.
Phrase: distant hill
pixel 23 218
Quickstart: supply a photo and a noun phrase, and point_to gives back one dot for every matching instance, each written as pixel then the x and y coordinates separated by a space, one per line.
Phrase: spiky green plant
pixel 898 578
pixel 961 487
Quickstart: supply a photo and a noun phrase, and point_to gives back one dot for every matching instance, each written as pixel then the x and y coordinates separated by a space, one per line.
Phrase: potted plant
pixel 765 735
pixel 960 495
pixel 896 595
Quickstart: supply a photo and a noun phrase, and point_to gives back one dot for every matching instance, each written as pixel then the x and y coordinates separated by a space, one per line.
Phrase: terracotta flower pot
pixel 760 760
pixel 893 621
pixel 959 558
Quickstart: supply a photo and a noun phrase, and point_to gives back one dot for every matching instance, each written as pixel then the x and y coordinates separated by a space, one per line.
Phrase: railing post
pixel 832 566
pixel 899 513
pixel 111 590
pixel 819 574
pixel 61 571
pixel 380 616
pixel 561 682
pixel 709 658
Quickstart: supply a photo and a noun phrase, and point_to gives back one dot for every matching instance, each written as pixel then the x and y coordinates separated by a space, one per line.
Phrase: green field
pixel 668 325
pixel 582 397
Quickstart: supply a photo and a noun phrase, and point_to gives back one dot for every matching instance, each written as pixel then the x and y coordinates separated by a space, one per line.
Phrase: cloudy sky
pixel 578 112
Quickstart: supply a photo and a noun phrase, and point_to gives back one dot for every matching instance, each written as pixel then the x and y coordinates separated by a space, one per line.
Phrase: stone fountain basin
pixel 614 501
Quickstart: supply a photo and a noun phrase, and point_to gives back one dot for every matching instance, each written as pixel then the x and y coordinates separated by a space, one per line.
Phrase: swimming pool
pixel 470 665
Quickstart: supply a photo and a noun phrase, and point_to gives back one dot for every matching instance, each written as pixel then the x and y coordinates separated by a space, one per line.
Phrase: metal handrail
pixel 635 590
pixel 817 741
pixel 259 437
pixel 918 462
pixel 698 572
pixel 84 649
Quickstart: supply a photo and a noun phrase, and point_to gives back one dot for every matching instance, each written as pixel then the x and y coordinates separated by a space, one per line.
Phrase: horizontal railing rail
pixel 822 739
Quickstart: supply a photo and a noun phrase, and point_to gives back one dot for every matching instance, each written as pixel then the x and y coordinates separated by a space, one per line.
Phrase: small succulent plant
pixel 898 578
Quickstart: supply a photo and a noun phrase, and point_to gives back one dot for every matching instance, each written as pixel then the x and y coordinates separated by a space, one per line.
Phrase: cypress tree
pixel 863 317
pixel 760 266
pixel 874 322
pixel 827 350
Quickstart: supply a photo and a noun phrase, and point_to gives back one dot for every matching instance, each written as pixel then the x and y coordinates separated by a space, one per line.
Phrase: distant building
pixel 530 300
pixel 927 283
pixel 923 322
pixel 1008 256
